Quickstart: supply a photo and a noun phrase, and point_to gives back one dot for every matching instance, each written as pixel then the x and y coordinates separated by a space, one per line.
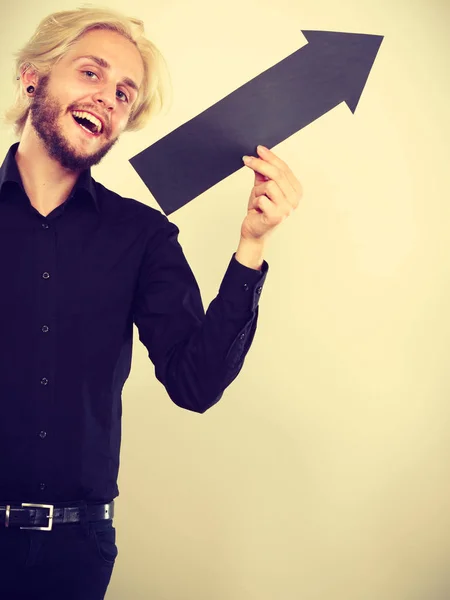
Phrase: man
pixel 80 265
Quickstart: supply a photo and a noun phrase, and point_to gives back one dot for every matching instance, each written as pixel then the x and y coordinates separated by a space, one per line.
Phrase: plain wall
pixel 323 473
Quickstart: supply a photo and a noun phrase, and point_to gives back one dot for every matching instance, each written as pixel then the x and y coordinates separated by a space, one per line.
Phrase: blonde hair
pixel 59 31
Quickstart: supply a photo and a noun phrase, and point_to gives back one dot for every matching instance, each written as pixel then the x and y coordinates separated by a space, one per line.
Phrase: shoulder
pixel 115 208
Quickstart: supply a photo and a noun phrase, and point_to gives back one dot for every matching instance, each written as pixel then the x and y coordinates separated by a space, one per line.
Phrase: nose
pixel 107 98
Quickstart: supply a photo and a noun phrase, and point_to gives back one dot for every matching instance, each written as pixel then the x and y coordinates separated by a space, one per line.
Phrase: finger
pixel 259 178
pixel 270 214
pixel 272 172
pixel 275 160
pixel 274 195
pixel 272 190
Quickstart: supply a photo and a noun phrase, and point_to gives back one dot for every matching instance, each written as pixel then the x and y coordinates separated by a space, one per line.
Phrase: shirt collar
pixel 9 171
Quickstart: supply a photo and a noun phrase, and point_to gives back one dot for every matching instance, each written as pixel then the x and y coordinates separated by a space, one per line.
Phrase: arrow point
pixel 348 57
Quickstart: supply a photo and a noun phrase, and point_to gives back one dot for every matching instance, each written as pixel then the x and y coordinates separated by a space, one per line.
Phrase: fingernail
pixel 247 159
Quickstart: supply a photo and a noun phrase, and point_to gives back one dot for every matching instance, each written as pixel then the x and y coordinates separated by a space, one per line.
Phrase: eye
pixel 124 96
pixel 88 75
pixel 89 72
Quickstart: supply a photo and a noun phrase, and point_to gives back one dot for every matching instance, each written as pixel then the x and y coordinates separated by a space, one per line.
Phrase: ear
pixel 29 76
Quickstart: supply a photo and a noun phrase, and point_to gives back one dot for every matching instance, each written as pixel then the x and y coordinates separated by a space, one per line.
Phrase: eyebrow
pixel 105 65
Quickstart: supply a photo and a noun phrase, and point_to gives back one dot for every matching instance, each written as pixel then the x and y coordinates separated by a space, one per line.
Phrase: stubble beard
pixel 45 112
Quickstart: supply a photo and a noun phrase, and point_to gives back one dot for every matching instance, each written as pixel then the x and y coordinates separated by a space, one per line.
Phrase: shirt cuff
pixel 243 286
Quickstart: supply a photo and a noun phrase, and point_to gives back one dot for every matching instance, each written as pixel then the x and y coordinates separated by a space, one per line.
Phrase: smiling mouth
pixel 87 125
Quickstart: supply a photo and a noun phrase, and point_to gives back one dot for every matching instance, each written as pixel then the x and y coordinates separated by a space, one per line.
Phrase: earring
pixel 30 89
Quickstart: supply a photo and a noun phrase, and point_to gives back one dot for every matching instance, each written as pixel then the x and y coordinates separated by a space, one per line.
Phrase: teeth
pixel 89 117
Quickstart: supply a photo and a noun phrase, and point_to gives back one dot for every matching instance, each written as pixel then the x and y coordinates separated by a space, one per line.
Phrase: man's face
pixel 82 84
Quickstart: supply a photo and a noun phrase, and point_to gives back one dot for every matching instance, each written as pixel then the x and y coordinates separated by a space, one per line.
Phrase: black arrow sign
pixel 332 68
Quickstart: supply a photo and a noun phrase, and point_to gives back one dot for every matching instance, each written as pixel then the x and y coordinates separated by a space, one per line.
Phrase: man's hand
pixel 275 195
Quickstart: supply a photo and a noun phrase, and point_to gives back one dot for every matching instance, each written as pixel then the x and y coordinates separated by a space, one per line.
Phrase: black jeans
pixel 71 562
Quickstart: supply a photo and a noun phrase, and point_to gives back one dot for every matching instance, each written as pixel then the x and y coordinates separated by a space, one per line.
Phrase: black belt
pixel 44 516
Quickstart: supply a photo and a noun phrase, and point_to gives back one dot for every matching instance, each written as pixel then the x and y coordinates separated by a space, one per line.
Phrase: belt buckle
pixel 49 516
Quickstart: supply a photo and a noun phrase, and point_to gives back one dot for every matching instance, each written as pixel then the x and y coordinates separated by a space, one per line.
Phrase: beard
pixel 45 112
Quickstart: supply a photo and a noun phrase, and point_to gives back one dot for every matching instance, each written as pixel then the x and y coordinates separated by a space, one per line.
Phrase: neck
pixel 46 182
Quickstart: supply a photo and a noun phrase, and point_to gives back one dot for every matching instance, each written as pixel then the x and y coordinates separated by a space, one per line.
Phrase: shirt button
pixel 246 287
pixel 45 328
pixel 42 486
pixel 44 225
pixel 42 434
pixel 242 336
pixel 44 381
pixel 45 275
pixel 259 290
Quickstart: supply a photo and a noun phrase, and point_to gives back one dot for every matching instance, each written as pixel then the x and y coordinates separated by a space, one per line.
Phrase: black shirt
pixel 72 286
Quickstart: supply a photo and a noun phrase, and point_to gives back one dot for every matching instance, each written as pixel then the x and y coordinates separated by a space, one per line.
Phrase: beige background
pixel 323 473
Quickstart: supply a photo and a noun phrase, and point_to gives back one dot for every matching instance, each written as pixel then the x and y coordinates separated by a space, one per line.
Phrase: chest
pixel 91 268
